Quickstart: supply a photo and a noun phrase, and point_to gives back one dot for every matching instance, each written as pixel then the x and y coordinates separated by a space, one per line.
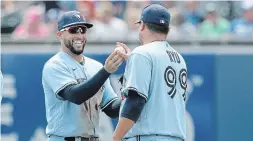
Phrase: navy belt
pixel 138 137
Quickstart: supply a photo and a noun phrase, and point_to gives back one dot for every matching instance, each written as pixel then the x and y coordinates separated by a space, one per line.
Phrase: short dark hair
pixel 157 28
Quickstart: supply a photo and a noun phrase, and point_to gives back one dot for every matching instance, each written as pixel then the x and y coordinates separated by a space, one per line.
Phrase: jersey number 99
pixel 170 78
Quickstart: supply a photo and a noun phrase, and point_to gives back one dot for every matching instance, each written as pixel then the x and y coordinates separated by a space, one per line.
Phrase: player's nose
pixel 80 36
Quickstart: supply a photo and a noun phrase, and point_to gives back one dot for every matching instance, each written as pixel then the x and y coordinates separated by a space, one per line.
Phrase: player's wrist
pixel 115 138
pixel 106 70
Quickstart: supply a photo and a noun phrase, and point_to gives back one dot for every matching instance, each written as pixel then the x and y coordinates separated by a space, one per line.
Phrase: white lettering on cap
pixel 78 16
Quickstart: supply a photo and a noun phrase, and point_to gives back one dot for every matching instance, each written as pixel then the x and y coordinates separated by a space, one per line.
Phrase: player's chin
pixel 77 50
pixel 78 47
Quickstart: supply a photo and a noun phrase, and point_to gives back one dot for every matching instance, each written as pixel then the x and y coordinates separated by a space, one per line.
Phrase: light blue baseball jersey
pixel 64 118
pixel 159 74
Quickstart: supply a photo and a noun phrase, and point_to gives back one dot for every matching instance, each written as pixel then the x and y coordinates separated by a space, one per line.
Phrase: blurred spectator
pixel 106 26
pixel 168 4
pixel 131 17
pixel 139 5
pixel 180 28
pixel 50 5
pixel 214 26
pixel 32 26
pixel 87 8
pixel 132 12
pixel 67 5
pixel 52 17
pixel 119 8
pixel 243 27
pixel 52 12
pixel 7 7
pixel 192 14
pixel 10 18
pixel 173 33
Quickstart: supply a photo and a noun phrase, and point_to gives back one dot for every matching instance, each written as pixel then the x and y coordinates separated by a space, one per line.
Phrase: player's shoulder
pixel 92 62
pixel 147 48
pixel 141 50
pixel 55 61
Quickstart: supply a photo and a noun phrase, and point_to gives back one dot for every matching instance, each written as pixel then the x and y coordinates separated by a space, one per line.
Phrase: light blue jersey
pixel 159 74
pixel 64 118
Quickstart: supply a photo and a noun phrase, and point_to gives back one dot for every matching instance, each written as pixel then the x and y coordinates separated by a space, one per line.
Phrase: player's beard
pixel 70 45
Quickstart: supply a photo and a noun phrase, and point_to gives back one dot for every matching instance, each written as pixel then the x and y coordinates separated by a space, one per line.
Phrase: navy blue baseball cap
pixel 71 18
pixel 155 14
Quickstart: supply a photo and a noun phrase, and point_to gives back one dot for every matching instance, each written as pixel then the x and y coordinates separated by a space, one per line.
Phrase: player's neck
pixel 78 58
pixel 151 39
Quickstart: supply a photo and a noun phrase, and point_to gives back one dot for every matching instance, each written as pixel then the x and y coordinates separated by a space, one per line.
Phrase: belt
pixel 81 139
pixel 138 137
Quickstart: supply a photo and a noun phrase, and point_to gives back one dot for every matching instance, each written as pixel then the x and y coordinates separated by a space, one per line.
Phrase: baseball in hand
pixel 120 49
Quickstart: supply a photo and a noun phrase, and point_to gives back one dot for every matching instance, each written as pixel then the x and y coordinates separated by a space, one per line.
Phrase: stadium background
pixel 219 60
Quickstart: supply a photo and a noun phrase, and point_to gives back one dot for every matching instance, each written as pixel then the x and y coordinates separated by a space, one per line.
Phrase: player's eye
pixel 77 29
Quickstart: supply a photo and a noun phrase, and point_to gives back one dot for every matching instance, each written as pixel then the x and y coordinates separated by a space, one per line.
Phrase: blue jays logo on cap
pixel 155 14
pixel 77 15
pixel 72 18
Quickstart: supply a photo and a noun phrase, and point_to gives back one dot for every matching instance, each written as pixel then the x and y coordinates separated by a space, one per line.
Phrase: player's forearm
pixel 112 110
pixel 81 92
pixel 130 113
pixel 124 125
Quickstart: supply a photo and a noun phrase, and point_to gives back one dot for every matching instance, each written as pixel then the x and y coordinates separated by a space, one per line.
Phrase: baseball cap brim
pixel 88 25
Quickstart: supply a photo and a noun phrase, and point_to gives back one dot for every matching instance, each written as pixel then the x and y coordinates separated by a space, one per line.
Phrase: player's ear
pixel 59 34
pixel 142 26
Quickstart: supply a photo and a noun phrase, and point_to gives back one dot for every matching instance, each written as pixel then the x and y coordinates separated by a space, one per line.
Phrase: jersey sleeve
pixel 138 75
pixel 109 95
pixel 57 77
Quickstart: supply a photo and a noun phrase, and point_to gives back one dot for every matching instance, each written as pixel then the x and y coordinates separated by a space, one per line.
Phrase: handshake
pixel 116 58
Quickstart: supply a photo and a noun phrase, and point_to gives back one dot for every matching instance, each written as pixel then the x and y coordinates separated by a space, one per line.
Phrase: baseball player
pixel 154 85
pixel 76 87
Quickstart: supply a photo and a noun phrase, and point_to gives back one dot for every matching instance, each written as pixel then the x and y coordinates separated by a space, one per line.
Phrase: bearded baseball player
pixel 76 87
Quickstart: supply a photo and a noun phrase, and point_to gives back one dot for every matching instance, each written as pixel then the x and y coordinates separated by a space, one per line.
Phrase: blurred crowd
pixel 114 20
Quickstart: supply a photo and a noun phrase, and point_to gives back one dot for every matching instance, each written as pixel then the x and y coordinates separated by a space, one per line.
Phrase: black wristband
pixel 133 106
